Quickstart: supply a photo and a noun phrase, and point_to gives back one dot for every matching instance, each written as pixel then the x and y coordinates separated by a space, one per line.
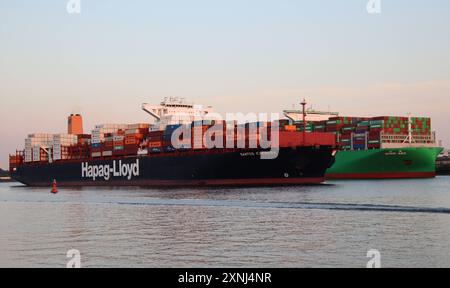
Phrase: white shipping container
pixel 158 127
pixel 111 126
pixel 38 140
pixel 28 155
pixel 56 151
pixel 41 135
pixel 38 135
pixel 60 151
pixel 107 153
pixel 36 153
pixel 139 126
pixel 98 134
pixel 96 154
pixel 65 138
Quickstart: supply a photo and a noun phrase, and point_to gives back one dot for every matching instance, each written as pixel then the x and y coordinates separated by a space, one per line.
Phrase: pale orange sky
pixel 239 56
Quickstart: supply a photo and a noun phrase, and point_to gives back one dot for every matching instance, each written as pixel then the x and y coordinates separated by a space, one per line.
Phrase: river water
pixel 332 225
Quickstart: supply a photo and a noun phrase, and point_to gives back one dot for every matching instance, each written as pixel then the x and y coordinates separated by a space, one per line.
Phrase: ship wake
pixel 252 204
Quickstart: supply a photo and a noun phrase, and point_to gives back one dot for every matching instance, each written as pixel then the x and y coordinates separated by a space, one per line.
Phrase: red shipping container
pixel 155 144
pixel 292 139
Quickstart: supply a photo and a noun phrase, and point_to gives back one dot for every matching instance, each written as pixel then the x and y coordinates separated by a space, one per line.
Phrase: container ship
pixel 144 154
pixel 385 147
pixel 443 164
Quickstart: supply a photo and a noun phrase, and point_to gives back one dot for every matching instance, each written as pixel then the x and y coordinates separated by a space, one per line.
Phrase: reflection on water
pixel 313 226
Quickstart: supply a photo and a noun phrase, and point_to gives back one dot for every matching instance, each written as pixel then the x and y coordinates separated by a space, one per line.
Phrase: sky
pixel 236 55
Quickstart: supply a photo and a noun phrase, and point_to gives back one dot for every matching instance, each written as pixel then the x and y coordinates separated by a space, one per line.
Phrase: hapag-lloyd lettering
pixel 117 169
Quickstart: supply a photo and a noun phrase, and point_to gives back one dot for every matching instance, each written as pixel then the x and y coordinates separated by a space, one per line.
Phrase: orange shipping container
pixel 155 144
pixel 290 128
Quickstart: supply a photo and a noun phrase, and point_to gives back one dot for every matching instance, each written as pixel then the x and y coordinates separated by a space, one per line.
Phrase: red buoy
pixel 54 187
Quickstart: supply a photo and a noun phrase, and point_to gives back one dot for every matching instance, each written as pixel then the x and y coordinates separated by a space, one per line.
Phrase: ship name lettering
pixel 119 169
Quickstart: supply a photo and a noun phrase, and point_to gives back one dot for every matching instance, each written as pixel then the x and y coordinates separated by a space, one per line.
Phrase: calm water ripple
pixel 314 226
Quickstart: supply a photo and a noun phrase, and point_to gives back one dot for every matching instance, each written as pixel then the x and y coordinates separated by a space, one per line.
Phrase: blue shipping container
pixel 359 146
pixel 169 149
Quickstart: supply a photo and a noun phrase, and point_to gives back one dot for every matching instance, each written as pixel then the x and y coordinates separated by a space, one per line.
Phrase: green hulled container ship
pixel 407 162
pixel 385 147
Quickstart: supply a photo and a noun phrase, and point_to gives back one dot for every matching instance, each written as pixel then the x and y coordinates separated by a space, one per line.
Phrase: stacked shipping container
pixel 104 134
pixel 399 125
pixel 16 160
pixel 43 147
pixel 114 140
pixel 61 144
pixel 360 133
pixel 108 140
pixel 118 139
pixel 219 133
pixel 34 145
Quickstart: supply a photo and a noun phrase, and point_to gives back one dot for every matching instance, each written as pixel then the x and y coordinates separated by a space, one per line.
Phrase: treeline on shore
pixel 4 173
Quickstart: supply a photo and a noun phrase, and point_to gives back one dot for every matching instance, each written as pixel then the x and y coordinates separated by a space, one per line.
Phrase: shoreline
pixel 6 179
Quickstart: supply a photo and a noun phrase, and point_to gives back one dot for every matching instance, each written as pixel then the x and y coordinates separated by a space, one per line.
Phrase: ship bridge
pixel 311 115
pixel 174 110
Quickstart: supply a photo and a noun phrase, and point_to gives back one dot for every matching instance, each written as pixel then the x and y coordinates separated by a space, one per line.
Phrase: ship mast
pixel 410 138
pixel 303 103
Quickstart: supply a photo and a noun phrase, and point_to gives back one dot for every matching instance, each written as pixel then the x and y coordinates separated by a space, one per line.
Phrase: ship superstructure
pixel 174 110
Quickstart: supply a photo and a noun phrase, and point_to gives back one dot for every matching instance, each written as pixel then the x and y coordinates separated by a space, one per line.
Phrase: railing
pixel 404 139
pixel 401 141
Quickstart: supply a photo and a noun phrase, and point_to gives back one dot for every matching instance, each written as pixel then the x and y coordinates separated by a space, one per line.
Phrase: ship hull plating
pixel 398 163
pixel 293 166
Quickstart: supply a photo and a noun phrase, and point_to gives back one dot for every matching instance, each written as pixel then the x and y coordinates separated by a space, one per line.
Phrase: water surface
pixel 331 225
